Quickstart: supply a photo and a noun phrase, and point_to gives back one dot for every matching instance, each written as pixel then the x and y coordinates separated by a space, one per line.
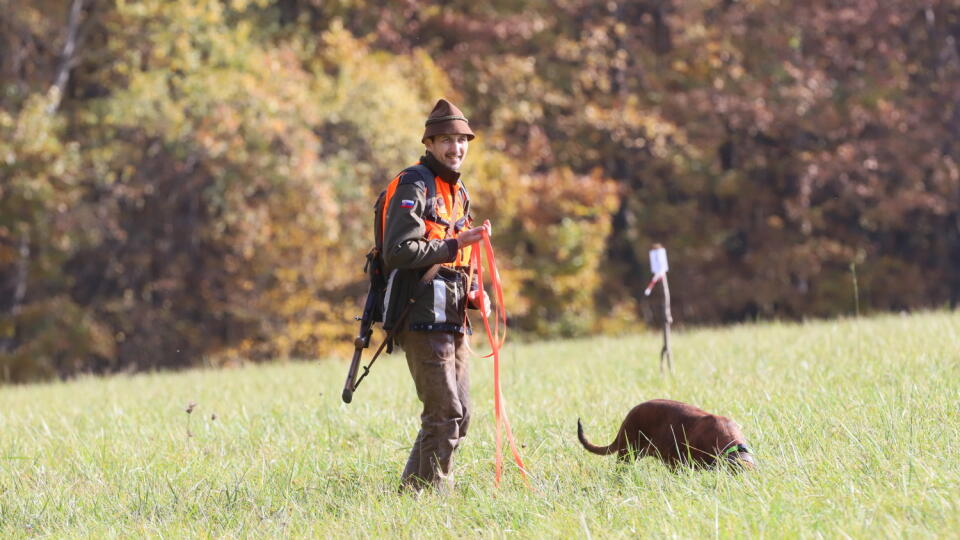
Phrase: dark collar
pixel 735 448
pixel 445 173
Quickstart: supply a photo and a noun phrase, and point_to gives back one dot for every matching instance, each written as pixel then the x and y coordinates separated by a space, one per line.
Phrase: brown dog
pixel 677 433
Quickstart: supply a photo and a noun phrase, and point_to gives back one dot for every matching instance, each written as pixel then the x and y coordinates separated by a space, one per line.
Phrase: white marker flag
pixel 658 261
pixel 659 267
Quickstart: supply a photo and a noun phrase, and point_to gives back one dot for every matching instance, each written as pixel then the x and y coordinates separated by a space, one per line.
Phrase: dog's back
pixel 675 432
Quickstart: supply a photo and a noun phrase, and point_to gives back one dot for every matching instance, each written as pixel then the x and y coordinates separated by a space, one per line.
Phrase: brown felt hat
pixel 446 119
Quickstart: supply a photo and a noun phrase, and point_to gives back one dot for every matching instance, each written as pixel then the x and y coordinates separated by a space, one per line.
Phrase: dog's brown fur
pixel 676 433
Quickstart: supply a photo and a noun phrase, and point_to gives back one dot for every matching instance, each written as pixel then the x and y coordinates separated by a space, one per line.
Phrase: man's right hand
pixel 474 235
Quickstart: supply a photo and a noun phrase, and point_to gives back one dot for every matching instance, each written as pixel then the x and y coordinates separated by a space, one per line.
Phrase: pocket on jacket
pixel 441 305
pixel 445 299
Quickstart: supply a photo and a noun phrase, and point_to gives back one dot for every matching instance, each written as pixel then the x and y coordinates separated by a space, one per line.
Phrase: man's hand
pixel 474 235
pixel 475 299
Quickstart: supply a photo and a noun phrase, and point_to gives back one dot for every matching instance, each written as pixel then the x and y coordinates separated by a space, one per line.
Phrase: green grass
pixel 856 425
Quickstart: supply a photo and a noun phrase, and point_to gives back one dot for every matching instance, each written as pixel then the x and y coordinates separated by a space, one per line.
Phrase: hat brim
pixel 450 127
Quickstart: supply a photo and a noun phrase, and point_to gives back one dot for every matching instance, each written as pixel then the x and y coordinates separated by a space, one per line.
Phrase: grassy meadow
pixel 855 424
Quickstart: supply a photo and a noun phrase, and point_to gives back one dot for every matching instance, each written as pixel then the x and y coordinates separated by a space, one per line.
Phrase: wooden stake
pixel 665 353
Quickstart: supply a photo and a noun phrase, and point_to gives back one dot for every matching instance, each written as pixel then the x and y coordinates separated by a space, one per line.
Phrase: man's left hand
pixel 475 300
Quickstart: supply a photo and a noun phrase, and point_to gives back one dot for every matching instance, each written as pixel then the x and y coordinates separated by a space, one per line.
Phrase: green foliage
pixel 851 422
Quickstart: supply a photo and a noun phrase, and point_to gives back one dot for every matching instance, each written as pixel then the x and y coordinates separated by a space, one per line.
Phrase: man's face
pixel 449 149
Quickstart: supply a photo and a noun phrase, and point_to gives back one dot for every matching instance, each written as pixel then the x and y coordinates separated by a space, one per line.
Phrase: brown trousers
pixel 438 364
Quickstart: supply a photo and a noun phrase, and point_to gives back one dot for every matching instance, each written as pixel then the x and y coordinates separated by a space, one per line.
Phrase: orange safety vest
pixel 446 214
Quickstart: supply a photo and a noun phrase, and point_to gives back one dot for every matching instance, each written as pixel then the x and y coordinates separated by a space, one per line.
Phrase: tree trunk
pixel 68 55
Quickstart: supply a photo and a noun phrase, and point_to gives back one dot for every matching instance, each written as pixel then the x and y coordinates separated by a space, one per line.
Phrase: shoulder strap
pixel 425 174
pixel 466 198
pixel 430 181
pixel 410 175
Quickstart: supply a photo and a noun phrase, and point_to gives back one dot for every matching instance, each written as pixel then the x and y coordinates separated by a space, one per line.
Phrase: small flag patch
pixel 406 203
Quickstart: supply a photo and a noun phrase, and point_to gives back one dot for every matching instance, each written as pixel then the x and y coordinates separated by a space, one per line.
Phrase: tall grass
pixel 855 423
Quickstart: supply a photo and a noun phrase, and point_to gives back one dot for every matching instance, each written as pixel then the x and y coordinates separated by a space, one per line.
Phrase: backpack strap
pixel 430 182
pixel 410 175
pixel 425 174
pixel 466 199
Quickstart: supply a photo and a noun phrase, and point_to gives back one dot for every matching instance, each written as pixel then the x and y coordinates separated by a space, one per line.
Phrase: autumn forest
pixel 190 182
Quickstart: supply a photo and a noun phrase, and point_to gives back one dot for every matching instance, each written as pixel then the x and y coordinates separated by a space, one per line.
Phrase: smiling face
pixel 450 150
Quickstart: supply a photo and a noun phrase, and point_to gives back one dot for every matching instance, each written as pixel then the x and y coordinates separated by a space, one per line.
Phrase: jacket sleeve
pixel 404 246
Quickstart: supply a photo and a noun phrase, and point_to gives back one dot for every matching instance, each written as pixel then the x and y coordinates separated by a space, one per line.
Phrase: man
pixel 426 229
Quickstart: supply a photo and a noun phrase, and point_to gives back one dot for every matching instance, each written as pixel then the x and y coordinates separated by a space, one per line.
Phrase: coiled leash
pixel 496 338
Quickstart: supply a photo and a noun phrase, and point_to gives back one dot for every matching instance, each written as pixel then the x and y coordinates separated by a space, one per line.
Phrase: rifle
pixel 362 341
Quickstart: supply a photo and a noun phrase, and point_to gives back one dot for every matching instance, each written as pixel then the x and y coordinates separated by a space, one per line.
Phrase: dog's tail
pixel 600 450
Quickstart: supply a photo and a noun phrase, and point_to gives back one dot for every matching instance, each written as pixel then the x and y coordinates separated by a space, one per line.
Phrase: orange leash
pixel 496 340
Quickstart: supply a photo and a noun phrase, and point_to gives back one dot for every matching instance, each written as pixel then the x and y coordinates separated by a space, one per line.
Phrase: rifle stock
pixel 361 342
pixel 350 384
